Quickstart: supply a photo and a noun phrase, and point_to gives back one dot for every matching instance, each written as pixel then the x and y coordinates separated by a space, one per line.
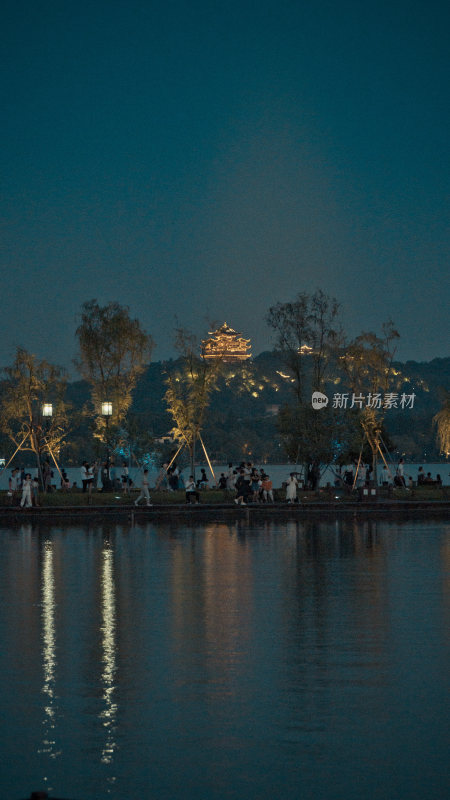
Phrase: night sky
pixel 204 160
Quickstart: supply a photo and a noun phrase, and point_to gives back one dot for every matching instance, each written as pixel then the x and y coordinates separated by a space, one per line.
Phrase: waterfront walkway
pixel 174 511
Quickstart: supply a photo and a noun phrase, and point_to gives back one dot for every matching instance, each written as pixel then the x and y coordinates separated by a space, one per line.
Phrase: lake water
pixel 302 659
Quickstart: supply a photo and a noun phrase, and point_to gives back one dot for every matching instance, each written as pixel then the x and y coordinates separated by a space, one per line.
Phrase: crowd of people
pixel 244 483
pixel 355 476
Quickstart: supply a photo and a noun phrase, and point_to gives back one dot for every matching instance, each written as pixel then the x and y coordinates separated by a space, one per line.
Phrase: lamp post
pixel 47 410
pixel 47 413
pixel 107 410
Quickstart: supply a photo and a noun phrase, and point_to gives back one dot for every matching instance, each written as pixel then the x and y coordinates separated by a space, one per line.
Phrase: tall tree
pixel 28 385
pixel 308 335
pixel 113 351
pixel 188 392
pixel 368 365
pixel 442 422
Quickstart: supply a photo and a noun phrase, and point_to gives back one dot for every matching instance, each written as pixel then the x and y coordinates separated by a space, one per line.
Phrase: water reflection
pixel 49 662
pixel 306 658
pixel 108 631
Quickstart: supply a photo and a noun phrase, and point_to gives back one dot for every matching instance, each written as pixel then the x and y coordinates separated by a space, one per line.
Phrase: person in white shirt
pixel 191 491
pixel 84 475
pixel 26 491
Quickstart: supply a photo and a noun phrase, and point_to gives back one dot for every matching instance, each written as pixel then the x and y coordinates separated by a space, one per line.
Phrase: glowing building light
pixel 226 344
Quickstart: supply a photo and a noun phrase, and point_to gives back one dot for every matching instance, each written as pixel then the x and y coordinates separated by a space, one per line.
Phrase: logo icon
pixel 319 400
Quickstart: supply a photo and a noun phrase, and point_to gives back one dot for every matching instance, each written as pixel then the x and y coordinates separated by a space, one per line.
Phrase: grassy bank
pixel 213 497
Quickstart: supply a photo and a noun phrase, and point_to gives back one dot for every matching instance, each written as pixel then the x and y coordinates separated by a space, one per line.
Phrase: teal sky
pixel 205 160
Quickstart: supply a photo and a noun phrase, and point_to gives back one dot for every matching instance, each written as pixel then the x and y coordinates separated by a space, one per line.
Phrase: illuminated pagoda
pixel 226 344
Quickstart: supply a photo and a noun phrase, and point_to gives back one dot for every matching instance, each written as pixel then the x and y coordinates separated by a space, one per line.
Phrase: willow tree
pixel 367 362
pixel 30 387
pixel 113 351
pixel 188 393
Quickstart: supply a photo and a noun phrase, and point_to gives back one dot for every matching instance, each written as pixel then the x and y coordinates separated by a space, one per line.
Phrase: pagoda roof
pixel 226 330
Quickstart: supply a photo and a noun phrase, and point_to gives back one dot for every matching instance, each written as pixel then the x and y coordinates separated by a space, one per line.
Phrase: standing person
pixel 401 472
pixel 13 486
pixel 145 494
pixel 112 476
pixel 95 471
pixel 47 476
pixel 125 477
pixel 35 491
pixel 291 488
pixel 26 492
pixel 90 477
pixel 176 477
pixel 420 476
pixel 106 477
pixel 255 485
pixel 84 475
pixel 231 478
pixel 384 479
pixel 64 481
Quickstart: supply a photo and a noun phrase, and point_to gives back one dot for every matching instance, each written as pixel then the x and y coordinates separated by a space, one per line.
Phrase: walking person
pixel 243 489
pixel 145 494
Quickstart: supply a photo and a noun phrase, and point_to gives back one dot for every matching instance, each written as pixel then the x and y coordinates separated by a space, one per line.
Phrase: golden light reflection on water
pixel 212 607
pixel 108 630
pixel 49 662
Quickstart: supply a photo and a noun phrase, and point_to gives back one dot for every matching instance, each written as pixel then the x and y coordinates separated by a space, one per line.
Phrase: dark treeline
pixel 258 409
pixel 241 425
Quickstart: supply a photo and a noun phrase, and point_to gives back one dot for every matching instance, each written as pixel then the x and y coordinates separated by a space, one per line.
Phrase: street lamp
pixel 47 413
pixel 107 410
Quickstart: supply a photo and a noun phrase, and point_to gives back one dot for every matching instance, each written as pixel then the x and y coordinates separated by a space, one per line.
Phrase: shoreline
pixel 220 510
